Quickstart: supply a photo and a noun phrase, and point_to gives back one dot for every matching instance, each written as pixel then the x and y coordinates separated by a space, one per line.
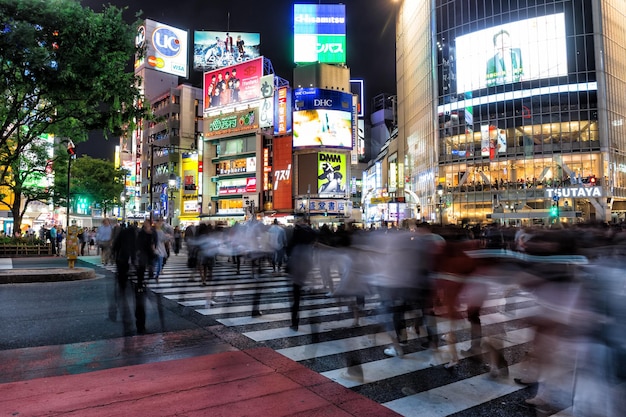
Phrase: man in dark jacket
pixel 124 248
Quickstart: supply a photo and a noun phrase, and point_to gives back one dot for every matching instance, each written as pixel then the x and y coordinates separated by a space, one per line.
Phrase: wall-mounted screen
pixel 213 50
pixel 319 33
pixel 322 118
pixel 524 50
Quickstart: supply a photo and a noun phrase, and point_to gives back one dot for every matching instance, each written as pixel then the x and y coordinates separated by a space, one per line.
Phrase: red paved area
pixel 255 382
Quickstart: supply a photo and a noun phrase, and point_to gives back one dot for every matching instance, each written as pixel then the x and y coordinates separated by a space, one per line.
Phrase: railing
pixel 24 249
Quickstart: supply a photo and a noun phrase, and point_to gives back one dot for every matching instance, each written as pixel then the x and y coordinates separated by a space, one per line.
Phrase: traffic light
pixel 554 210
pixel 71 151
pixel 592 180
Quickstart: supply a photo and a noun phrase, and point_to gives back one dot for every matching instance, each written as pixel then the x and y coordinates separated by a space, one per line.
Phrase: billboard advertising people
pixel 166 48
pixel 235 84
pixel 331 173
pixel 319 33
pixel 523 50
pixel 214 50
pixel 322 118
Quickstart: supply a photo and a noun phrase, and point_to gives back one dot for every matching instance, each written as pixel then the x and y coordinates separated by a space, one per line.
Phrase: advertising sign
pixel 166 48
pixel 214 50
pixel 232 123
pixel 523 50
pixel 323 206
pixel 266 107
pixel 319 33
pixel 492 141
pixel 190 173
pixel 237 186
pixel 322 118
pixel 331 173
pixel 282 111
pixel 282 174
pixel 231 85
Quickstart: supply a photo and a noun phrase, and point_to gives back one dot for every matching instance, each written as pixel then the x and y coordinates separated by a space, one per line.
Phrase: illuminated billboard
pixel 232 122
pixel 331 173
pixel 322 118
pixel 282 111
pixel 319 33
pixel 524 50
pixel 166 48
pixel 282 173
pixel 214 50
pixel 189 201
pixel 231 85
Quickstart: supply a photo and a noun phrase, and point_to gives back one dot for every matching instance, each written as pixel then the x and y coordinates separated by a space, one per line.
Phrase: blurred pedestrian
pixel 124 250
pixel 103 240
pixel 299 264
pixel 178 235
pixel 278 243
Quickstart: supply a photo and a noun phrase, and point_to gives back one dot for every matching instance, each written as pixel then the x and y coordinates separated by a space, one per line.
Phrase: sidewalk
pixel 255 382
pixel 185 370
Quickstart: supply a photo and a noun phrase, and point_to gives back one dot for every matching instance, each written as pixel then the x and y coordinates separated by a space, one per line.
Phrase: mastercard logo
pixel 153 61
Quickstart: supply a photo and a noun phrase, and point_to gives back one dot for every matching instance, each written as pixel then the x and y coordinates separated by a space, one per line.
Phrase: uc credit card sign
pixel 167 48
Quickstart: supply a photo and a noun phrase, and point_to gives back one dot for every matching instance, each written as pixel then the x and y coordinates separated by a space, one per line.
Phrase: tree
pixel 63 70
pixel 26 179
pixel 96 180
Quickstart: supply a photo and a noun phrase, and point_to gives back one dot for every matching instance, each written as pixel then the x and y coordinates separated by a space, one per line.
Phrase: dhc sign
pixel 574 192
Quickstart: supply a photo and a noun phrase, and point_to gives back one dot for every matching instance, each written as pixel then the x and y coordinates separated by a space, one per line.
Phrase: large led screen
pixel 213 50
pixel 166 48
pixel 231 85
pixel 524 50
pixel 319 33
pixel 331 173
pixel 322 118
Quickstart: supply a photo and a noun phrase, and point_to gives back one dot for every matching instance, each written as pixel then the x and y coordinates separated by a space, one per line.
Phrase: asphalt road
pixel 44 314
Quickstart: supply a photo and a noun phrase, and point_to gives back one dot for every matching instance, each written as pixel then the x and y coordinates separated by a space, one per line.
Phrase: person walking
pixel 178 235
pixel 145 256
pixel 299 264
pixel 124 251
pixel 278 243
pixel 160 249
pixel 103 240
pixel 52 235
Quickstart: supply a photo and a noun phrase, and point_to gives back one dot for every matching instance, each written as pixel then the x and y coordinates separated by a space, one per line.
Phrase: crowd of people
pixel 422 274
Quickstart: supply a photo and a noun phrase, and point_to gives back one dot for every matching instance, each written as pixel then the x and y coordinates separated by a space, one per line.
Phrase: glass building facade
pixel 515 108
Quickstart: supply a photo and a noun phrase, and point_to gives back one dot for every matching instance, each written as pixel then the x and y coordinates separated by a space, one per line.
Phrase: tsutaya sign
pixel 574 192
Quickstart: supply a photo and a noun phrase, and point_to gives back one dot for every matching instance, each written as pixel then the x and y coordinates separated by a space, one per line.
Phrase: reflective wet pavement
pixel 61 355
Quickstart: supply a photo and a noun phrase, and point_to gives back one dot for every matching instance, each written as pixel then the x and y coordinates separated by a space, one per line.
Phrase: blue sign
pixel 317 98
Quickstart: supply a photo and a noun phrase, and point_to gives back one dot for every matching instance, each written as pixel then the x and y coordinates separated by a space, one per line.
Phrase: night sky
pixel 370 38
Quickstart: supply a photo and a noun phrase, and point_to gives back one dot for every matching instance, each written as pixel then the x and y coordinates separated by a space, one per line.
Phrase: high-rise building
pixel 513 111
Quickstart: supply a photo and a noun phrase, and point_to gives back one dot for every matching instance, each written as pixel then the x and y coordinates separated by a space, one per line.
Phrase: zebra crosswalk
pixel 333 343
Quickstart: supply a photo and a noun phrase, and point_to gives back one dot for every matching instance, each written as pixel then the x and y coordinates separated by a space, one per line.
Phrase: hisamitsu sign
pixel 574 192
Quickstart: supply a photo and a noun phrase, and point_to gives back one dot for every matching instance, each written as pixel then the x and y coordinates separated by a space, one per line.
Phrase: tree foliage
pixel 63 70
pixel 96 180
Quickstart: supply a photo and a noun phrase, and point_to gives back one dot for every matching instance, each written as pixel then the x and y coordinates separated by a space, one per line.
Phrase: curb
pixel 22 276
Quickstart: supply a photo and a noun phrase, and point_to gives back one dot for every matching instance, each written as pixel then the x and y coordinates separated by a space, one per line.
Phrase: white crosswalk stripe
pixel 328 339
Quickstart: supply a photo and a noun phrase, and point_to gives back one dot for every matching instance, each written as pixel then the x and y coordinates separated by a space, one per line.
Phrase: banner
pixel 214 50
pixel 331 173
pixel 232 85
pixel 232 123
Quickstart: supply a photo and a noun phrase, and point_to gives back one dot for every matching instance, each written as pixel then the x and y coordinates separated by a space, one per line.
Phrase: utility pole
pixel 71 154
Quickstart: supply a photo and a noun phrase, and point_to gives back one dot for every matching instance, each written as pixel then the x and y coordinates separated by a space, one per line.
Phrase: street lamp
pixel 440 194
pixel 171 184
